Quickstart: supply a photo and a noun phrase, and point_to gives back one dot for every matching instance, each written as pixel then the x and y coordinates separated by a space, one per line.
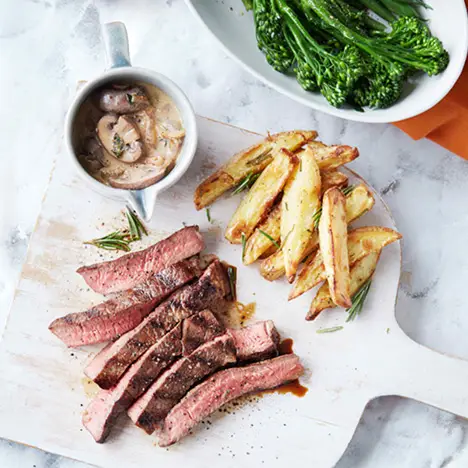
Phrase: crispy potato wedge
pixel 269 252
pixel 257 203
pixel 259 242
pixel 331 157
pixel 361 242
pixel 360 272
pixel 333 241
pixel 272 268
pixel 257 245
pixel 333 179
pixel 364 240
pixel 250 161
pixel 300 202
pixel 312 274
pixel 358 202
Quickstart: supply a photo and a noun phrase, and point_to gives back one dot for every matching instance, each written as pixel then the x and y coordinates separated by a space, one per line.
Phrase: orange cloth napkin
pixel 447 122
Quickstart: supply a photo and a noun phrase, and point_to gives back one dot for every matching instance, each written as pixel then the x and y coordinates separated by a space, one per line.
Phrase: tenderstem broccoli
pixel 336 48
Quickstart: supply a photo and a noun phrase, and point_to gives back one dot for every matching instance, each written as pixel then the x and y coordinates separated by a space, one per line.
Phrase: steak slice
pixel 223 387
pixel 110 364
pixel 199 329
pixel 116 316
pixel 105 408
pixel 258 341
pixel 176 381
pixel 129 270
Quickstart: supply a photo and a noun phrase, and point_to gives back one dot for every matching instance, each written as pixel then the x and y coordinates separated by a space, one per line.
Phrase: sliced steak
pixel 109 365
pixel 116 316
pixel 259 341
pixel 223 387
pixel 199 329
pixel 176 381
pixel 256 342
pixel 129 270
pixel 104 409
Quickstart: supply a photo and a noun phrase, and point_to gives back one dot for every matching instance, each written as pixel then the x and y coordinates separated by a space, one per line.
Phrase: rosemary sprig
pixel 135 225
pixel 347 190
pixel 120 240
pixel 330 330
pixel 243 245
pixel 208 215
pixel 116 240
pixel 270 238
pixel 316 217
pixel 246 183
pixel 358 301
pixel 232 276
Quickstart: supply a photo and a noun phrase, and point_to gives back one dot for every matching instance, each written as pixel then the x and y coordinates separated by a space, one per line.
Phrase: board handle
pixel 422 374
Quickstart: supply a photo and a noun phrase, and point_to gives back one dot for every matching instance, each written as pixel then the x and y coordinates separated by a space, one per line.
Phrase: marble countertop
pixel 46 46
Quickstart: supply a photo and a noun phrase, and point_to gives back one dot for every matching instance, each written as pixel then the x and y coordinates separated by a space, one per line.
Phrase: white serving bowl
pixel 233 27
pixel 120 70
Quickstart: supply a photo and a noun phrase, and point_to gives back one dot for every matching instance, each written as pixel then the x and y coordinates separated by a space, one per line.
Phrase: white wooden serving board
pixel 42 391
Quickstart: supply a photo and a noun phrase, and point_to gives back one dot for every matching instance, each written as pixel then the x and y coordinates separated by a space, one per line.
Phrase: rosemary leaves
pixel 246 183
pixel 330 330
pixel 273 241
pixel 120 240
pixel 358 301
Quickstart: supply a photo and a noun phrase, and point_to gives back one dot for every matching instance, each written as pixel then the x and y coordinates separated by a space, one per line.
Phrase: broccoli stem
pixel 374 24
pixel 379 9
pixel 401 9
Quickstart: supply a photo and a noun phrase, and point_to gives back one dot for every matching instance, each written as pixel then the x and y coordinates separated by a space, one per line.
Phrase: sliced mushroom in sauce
pixel 123 100
pixel 120 137
pixel 138 139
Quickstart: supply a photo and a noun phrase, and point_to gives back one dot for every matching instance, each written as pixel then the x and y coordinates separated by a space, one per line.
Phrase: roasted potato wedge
pixel 310 276
pixel 272 268
pixel 257 203
pixel 333 241
pixel 333 179
pixel 360 272
pixel 257 245
pixel 269 252
pixel 250 161
pixel 300 202
pixel 261 239
pixel 364 240
pixel 331 157
pixel 358 201
pixel 361 242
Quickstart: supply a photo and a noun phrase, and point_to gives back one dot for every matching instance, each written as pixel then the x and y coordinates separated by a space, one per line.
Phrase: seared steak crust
pixel 176 381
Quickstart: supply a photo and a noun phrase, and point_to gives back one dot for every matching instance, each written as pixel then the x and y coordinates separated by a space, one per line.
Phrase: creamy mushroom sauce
pixel 128 136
